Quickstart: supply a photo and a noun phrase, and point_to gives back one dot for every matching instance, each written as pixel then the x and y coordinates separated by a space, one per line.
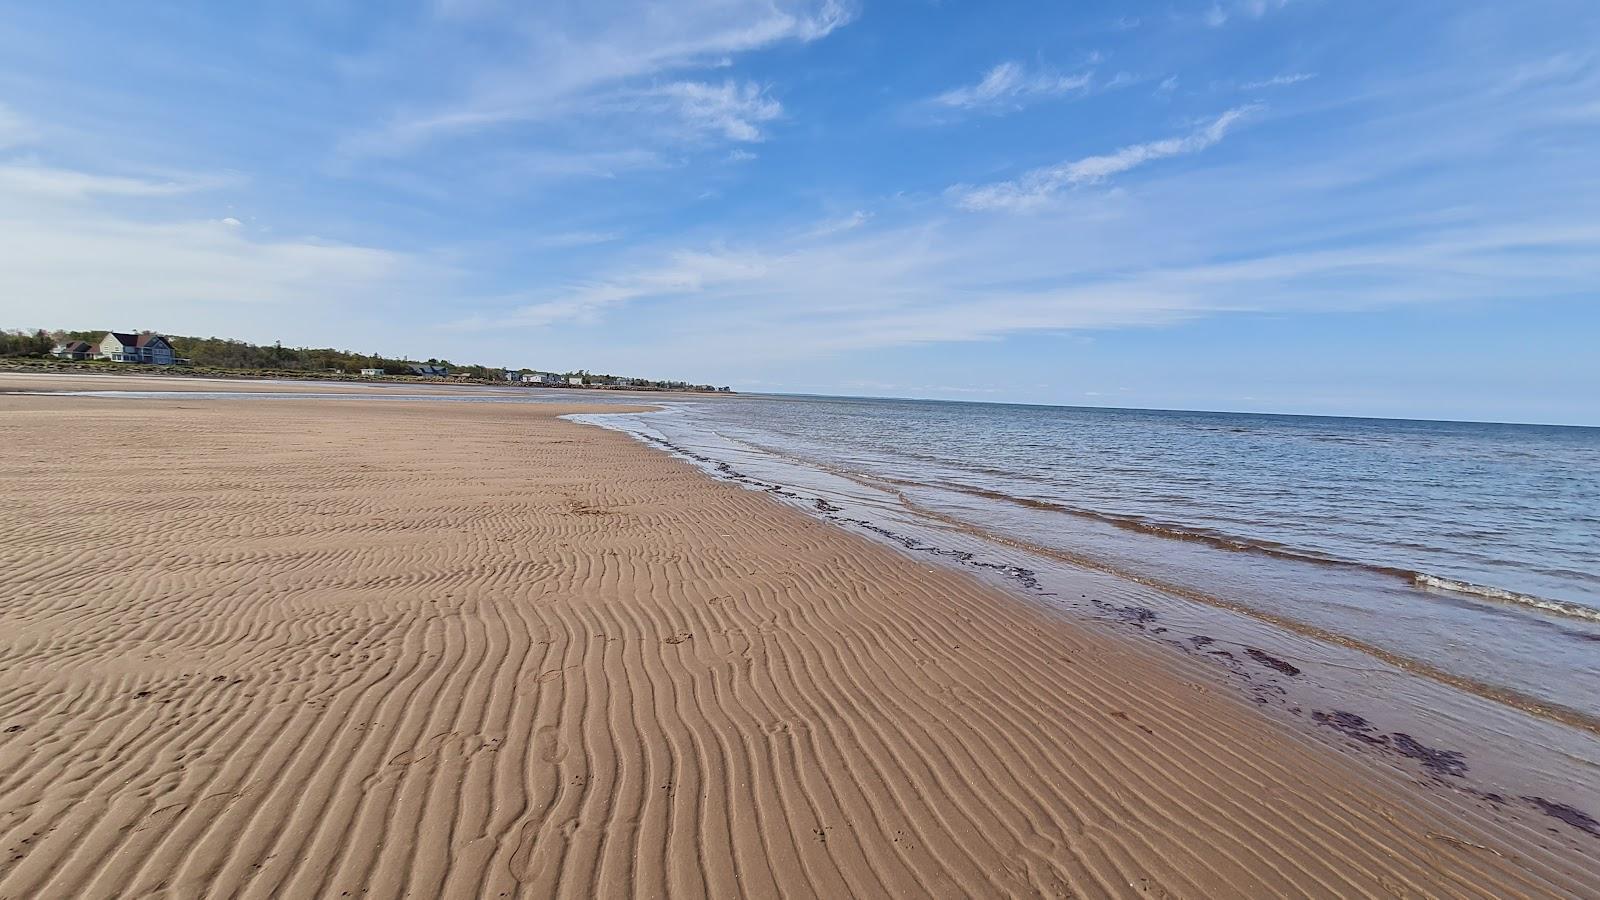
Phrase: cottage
pixel 575 380
pixel 373 373
pixel 146 347
pixel 74 350
pixel 539 378
pixel 428 370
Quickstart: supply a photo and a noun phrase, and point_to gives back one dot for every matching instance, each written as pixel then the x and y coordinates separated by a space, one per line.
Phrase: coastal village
pixel 148 348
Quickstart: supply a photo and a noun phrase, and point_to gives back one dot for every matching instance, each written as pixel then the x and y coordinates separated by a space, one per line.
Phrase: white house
pixel 148 348
pixel 539 378
pixel 575 381
pixel 373 373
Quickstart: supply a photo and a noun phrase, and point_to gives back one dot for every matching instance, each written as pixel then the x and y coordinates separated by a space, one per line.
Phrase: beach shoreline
pixel 451 649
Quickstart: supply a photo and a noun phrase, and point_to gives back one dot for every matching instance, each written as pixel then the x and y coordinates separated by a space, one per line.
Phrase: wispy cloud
pixel 1038 187
pixel 569 239
pixel 1278 81
pixel 1012 85
pixel 836 226
pixel 82 264
pixel 1220 13
pixel 831 292
pixel 79 245
pixel 565 69
pixel 57 182
pixel 14 129
pixel 735 110
pixel 552 164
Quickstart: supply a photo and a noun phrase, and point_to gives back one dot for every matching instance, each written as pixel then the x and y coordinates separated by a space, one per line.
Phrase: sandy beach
pixel 344 648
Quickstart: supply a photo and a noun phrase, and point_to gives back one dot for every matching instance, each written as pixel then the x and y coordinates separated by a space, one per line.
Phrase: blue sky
pixel 1279 205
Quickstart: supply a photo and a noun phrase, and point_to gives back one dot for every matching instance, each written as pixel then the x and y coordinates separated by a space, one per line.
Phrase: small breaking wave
pixel 1232 543
pixel 1544 604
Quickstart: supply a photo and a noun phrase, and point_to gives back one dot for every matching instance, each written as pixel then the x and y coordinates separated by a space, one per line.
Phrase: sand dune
pixel 339 648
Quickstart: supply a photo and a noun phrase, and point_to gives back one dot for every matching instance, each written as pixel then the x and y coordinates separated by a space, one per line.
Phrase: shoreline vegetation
pixel 313 656
pixel 34 351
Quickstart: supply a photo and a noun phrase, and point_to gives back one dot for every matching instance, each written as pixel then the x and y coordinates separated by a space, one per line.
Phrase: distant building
pixel 146 347
pixel 575 381
pixel 74 350
pixel 540 378
pixel 373 373
pixel 425 370
pixel 513 375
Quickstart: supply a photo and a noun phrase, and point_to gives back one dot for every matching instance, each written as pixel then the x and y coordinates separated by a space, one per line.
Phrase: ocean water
pixel 1468 550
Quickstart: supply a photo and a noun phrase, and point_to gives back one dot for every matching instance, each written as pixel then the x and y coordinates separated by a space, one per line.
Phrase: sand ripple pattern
pixel 335 649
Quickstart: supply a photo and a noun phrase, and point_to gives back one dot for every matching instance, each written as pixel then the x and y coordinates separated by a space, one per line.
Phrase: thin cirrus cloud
pixel 1037 188
pixel 1283 80
pixel 566 72
pixel 1220 14
pixel 734 110
pixel 955 283
pixel 1009 86
pixel 69 183
pixel 14 129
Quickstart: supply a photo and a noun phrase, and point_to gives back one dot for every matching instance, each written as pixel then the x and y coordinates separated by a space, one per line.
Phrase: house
pixel 74 350
pixel 373 373
pixel 539 378
pixel 426 370
pixel 145 347
pixel 575 380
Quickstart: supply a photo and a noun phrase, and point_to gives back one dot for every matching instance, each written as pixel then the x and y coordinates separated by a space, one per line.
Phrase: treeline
pixel 242 356
pixel 225 353
pixel 16 342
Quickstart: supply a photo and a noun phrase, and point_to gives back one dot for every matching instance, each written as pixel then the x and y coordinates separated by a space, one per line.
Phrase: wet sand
pixel 324 648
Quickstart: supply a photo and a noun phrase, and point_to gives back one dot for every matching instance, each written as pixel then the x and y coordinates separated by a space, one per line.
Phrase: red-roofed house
pixel 147 347
pixel 74 350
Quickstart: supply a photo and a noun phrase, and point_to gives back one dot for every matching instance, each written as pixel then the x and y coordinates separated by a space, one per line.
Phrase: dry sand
pixel 330 648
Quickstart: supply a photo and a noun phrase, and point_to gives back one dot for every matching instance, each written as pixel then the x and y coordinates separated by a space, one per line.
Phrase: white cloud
pixel 849 223
pixel 1010 85
pixel 56 182
pixel 576 164
pixel 180 273
pixel 568 239
pixel 1036 188
pixel 826 292
pixel 69 248
pixel 1278 81
pixel 564 68
pixel 14 130
pixel 734 110
pixel 1221 13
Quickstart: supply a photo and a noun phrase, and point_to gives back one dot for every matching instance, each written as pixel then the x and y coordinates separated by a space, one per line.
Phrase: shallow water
pixel 1501 750
pixel 1468 550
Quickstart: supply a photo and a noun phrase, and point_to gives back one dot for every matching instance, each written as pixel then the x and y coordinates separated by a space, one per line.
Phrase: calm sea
pixel 1471 548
